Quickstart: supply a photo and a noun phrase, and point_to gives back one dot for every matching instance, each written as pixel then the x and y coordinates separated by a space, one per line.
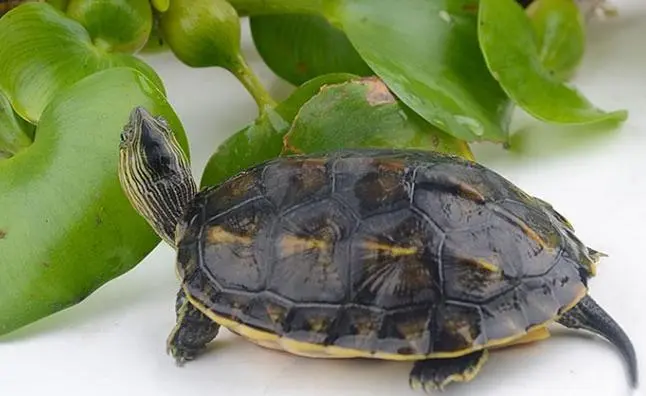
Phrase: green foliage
pixel 117 25
pixel 66 226
pixel 366 115
pixel 301 47
pixel 263 139
pixel 560 35
pixel 43 51
pixel 422 74
pixel 512 54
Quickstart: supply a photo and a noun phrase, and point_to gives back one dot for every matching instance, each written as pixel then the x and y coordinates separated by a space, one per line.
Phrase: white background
pixel 114 342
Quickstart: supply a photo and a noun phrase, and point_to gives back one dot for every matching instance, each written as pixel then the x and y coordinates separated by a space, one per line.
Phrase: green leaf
pixel 263 139
pixel 66 227
pixel 363 113
pixel 427 53
pixel 13 136
pixel 116 25
pixel 43 51
pixel 560 33
pixel 512 54
pixel 300 47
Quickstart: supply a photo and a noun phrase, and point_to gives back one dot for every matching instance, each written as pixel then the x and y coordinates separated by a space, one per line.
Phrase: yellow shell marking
pixel 533 235
pixel 394 251
pixel 291 245
pixel 483 264
pixel 470 192
pixel 218 234
pixel 301 348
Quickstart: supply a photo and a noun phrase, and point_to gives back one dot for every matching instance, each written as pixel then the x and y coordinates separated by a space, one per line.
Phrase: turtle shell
pixel 380 253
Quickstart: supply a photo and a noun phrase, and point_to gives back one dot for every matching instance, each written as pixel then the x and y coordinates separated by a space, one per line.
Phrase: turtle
pixel 384 253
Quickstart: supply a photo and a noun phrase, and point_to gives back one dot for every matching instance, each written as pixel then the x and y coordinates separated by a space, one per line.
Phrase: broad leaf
pixel 43 51
pixel 427 52
pixel 300 47
pixel 363 113
pixel 512 54
pixel 115 25
pixel 560 33
pixel 66 227
pixel 263 139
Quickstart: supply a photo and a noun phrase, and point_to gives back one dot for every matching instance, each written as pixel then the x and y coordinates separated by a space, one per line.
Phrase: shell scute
pixel 384 252
pixel 371 186
pixel 290 183
pixel 504 316
pixel 469 281
pixel 232 251
pixel 358 327
pixel 448 211
pixel 235 191
pixel 406 331
pixel 393 258
pixel 312 324
pixel 544 229
pixel 308 256
pixel 457 326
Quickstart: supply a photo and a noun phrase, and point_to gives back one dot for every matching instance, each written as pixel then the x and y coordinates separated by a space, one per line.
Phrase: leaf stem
pixel 252 84
pixel 263 7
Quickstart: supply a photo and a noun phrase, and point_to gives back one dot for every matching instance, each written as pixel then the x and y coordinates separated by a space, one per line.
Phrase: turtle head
pixel 154 172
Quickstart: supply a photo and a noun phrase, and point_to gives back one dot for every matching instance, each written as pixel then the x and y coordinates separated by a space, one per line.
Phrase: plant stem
pixel 252 84
pixel 263 7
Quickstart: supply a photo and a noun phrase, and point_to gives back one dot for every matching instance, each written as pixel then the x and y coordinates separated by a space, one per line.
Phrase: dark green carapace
pixel 416 246
pixel 387 254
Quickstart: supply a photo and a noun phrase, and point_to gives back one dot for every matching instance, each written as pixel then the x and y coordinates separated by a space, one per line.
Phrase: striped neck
pixel 154 173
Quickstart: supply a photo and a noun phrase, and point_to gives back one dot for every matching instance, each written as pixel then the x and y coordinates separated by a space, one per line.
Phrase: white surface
pixel 114 342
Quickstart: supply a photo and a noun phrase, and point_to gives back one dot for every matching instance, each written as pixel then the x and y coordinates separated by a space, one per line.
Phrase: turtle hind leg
pixel 192 333
pixel 435 374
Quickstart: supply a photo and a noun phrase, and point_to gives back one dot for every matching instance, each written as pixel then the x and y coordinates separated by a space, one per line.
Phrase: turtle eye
pixel 124 138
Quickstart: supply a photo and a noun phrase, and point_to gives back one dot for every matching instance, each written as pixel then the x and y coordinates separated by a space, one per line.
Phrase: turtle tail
pixel 588 315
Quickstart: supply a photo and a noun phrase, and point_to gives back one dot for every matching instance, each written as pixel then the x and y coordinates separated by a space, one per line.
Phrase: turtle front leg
pixel 191 333
pixel 435 374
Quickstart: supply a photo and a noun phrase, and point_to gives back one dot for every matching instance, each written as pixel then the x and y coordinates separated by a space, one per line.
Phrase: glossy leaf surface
pixel 115 25
pixel 44 51
pixel 66 227
pixel 263 139
pixel 428 54
pixel 512 54
pixel 560 30
pixel 300 47
pixel 363 113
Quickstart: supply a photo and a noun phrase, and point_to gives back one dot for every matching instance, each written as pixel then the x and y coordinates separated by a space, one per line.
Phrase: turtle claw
pixel 428 386
pixel 435 374
pixel 181 356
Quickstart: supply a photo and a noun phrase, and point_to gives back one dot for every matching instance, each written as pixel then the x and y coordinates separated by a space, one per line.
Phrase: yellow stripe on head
pixel 154 172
